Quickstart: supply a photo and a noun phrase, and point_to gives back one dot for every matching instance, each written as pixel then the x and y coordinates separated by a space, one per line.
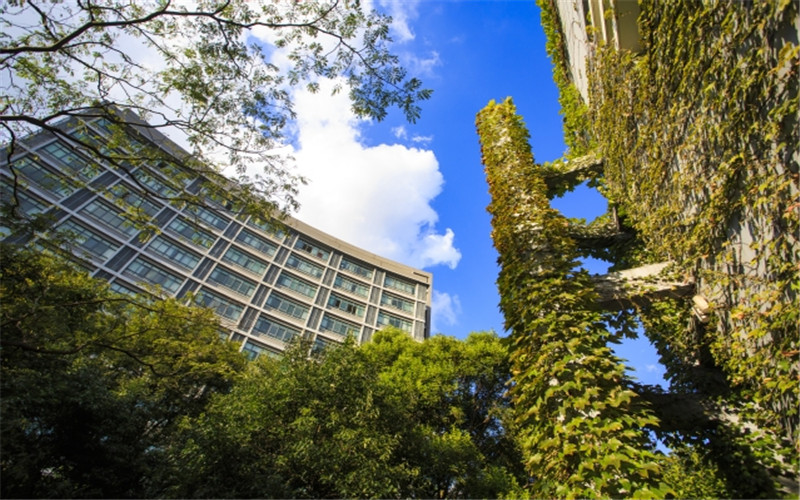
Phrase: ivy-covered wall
pixel 698 148
pixel 700 141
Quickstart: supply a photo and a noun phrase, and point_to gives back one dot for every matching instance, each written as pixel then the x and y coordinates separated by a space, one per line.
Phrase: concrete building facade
pixel 268 284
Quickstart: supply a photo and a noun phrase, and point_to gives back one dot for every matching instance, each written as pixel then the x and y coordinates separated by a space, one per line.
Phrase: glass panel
pixel 134 200
pixel 89 241
pixel 345 305
pixel 256 242
pixel 244 260
pixel 28 205
pixel 286 306
pixel 355 268
pixel 151 273
pixel 208 217
pixel 268 326
pixel 314 250
pixel 174 252
pixel 118 287
pixel 191 232
pixel 221 305
pixel 288 281
pixel 267 228
pixel 253 350
pixel 304 266
pixel 321 345
pixel 84 168
pixel 111 216
pixel 351 286
pixel 149 180
pixel 232 281
pixel 387 319
pixel 399 285
pixel 390 300
pixel 43 178
pixel 338 326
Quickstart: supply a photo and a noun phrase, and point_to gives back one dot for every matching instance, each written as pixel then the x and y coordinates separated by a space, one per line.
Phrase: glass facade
pixel 270 283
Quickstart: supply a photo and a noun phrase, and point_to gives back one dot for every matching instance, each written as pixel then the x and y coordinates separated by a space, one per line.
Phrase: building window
pixel 387 319
pixel 43 178
pixel 286 280
pixel 89 241
pixel 146 271
pixel 321 345
pixel 355 268
pixel 133 200
pixel 28 205
pixel 174 252
pixel 345 305
pixel 121 289
pixel 268 326
pixel 156 185
pixel 232 281
pixel 209 217
pixel 110 216
pixel 313 250
pixel 338 326
pixel 84 168
pixel 253 350
pixel 244 260
pixel 221 305
pixel 287 306
pixel 351 286
pixel 399 285
pixel 304 266
pixel 191 232
pixel 390 300
pixel 268 228
pixel 256 242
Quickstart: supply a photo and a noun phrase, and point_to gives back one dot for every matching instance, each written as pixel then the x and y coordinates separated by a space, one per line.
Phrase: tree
pixel 392 418
pixel 195 68
pixel 93 382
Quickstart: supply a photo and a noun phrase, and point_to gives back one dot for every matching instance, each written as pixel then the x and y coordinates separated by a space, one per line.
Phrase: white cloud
pixel 402 12
pixel 422 139
pixel 421 66
pixel 445 310
pixel 375 197
pixel 400 132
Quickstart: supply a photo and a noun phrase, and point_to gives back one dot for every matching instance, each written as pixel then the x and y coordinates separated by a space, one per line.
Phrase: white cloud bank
pixel 375 197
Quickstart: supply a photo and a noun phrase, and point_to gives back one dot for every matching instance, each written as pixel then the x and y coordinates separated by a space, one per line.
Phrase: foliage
pixel 196 69
pixel 703 160
pixel 93 383
pixel 582 429
pixel 573 109
pixel 393 418
pixel 698 140
pixel 108 396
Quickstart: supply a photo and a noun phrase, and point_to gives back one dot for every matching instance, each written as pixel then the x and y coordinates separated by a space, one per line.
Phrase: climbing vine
pixel 701 146
pixel 583 428
pixel 698 136
pixel 573 110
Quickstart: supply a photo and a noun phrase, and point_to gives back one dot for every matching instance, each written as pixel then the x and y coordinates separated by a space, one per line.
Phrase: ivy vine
pixel 582 427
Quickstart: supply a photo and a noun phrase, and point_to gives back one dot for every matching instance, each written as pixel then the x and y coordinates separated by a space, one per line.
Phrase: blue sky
pixel 417 192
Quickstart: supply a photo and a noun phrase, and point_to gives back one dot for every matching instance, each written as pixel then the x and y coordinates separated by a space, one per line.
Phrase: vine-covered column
pixel 583 429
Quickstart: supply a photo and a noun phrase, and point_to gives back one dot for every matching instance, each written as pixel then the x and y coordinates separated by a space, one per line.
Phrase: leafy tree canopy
pixel 93 382
pixel 202 68
pixel 111 396
pixel 393 418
